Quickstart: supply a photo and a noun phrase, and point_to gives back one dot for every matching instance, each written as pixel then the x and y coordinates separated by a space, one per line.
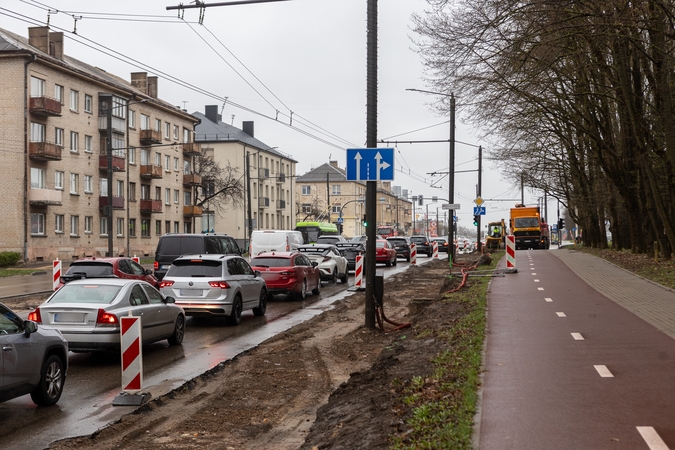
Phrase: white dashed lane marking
pixel 652 438
pixel 603 371
pixel 561 314
pixel 536 281
pixel 577 336
pixel 548 299
pixel 540 289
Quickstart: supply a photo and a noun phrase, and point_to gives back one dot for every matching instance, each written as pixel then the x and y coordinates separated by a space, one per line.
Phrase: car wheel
pixel 344 277
pixel 335 277
pixel 317 289
pixel 235 315
pixel 262 303
pixel 178 332
pixel 302 294
pixel 407 259
pixel 388 263
pixel 52 377
pixel 395 261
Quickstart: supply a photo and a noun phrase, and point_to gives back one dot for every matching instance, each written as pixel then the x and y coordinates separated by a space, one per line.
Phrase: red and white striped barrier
pixel 413 254
pixel 511 254
pixel 358 272
pixel 434 249
pixel 132 356
pixel 56 273
pixel 137 259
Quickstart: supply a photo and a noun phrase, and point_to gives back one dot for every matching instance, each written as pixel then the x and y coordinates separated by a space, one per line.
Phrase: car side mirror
pixel 169 300
pixel 315 263
pixel 257 273
pixel 29 327
pixel 148 271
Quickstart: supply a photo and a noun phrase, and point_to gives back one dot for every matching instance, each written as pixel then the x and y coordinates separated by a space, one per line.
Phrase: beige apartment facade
pixel 269 194
pixel 325 195
pixel 58 138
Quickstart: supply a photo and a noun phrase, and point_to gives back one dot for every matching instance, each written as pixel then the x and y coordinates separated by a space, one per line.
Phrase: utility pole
pixel 480 184
pixel 249 222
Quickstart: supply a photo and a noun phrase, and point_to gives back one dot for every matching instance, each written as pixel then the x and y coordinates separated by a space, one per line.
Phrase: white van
pixel 274 240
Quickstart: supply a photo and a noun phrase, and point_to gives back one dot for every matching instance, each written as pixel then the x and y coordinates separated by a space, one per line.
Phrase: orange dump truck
pixel 526 226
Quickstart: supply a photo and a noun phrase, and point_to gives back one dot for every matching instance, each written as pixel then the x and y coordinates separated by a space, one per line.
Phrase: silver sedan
pixel 88 312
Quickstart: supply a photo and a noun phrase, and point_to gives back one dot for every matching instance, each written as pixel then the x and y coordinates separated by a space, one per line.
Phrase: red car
pixel 290 273
pixel 107 268
pixel 385 253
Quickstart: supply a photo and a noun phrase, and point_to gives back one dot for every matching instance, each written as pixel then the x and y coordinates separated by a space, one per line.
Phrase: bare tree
pixel 315 210
pixel 220 186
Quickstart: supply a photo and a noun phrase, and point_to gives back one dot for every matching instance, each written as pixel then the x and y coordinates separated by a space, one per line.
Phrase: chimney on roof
pixel 211 113
pixel 334 164
pixel 152 87
pixel 139 80
pixel 38 37
pixel 247 127
pixel 56 45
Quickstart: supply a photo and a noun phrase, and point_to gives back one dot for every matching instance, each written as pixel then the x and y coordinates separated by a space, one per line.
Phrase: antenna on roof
pixel 222 108
pixel 232 120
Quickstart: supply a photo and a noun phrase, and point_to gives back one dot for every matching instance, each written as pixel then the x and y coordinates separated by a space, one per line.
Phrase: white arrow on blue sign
pixel 479 210
pixel 370 164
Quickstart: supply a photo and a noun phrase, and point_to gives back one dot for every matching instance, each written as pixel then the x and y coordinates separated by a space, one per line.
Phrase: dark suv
pixel 422 243
pixel 402 246
pixel 171 246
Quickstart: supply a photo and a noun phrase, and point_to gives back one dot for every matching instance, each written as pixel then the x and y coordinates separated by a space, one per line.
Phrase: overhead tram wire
pixel 110 52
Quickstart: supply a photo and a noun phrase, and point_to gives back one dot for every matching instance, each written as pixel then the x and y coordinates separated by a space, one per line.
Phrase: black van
pixel 171 246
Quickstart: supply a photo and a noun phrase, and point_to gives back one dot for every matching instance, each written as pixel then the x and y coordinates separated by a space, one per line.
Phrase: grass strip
pixel 14 272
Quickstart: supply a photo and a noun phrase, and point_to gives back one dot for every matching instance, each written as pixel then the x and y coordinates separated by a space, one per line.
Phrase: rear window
pixel 418 239
pixel 85 293
pixel 90 270
pixel 327 240
pixel 397 241
pixel 180 245
pixel 271 262
pixel 195 268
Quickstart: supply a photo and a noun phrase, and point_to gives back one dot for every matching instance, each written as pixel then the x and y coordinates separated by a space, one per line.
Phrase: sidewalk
pixel 650 301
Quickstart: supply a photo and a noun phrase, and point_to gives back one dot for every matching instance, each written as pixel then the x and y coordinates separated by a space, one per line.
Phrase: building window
pixel 88 144
pixel 158 193
pixel 176 164
pixel 74 182
pixel 167 130
pixel 175 132
pixel 58 136
pixel 307 190
pixel 176 196
pixel 132 192
pixel 132 227
pixel 145 157
pixel 167 196
pixel 186 135
pixel 167 226
pixel 37 178
pixel 158 125
pixel 187 227
pixel 176 227
pixel 132 119
pixel 58 225
pixel 167 163
pixel 158 159
pixel 88 189
pixel 145 122
pixel 104 226
pixel 131 152
pixel 88 101
pixel 104 187
pixel 74 100
pixel 337 208
pixel 119 192
pixel 158 227
pixel 37 224
pixel 74 138
pixel 120 226
pixel 37 87
pixel 88 224
pixel 145 192
pixel 306 208
pixel 145 227
pixel 336 189
pixel 187 196
pixel 37 132
pixel 59 93
pixel 58 180
pixel 74 225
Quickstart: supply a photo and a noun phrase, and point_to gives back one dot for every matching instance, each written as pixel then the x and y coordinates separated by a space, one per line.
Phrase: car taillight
pixel 289 273
pixel 106 319
pixel 219 284
pixel 155 265
pixel 166 283
pixel 35 316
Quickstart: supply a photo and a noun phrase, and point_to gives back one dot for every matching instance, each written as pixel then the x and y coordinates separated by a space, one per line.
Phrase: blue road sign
pixel 370 164
pixel 479 210
pixel 340 220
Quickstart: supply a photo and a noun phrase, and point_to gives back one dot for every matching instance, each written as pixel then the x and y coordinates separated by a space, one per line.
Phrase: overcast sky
pixel 304 56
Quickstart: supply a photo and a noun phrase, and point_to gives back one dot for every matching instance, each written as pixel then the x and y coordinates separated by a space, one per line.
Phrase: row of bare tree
pixel 579 100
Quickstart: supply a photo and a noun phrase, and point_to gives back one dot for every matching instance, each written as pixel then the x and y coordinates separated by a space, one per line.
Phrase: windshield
pixel 383 231
pixel 527 222
pixel 91 270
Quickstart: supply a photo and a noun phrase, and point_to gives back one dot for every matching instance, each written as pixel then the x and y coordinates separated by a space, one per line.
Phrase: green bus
pixel 312 230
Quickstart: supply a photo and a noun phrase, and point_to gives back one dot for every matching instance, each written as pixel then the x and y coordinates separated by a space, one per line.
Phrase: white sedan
pixel 331 263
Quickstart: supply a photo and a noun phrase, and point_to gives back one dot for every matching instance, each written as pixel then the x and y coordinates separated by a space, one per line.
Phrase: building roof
pixel 209 131
pixel 323 172
pixel 11 42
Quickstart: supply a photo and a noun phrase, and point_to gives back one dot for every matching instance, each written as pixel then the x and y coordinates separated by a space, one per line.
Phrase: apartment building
pixel 93 164
pixel 268 203
pixel 324 194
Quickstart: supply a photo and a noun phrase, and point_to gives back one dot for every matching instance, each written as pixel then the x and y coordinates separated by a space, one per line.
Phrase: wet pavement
pixel 579 355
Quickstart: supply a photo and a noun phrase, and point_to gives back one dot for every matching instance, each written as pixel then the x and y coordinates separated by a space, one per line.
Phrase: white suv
pixel 215 285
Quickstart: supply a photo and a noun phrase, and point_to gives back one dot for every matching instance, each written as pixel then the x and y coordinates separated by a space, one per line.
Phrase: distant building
pixel 54 133
pixel 324 194
pixel 268 183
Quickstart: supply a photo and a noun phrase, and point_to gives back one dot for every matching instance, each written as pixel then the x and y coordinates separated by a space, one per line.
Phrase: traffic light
pixel 561 224
pixel 476 218
pixel 420 200
pixel 365 224
pixel 339 227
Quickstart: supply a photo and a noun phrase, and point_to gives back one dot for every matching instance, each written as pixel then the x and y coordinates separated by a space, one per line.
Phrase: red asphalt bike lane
pixel 541 389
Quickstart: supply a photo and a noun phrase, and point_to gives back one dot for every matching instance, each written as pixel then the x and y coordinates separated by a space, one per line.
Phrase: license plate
pixel 69 317
pixel 164 267
pixel 190 292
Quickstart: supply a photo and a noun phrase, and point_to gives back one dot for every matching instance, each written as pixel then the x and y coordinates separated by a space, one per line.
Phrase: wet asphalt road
pixel 94 379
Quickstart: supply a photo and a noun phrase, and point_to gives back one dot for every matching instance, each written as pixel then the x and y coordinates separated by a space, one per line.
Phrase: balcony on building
pixel 117 202
pixel 118 161
pixel 45 106
pixel 151 171
pixel 119 125
pixel 263 173
pixel 263 202
pixel 281 178
pixel 148 137
pixel 281 204
pixel 44 151
pixel 151 206
pixel 192 211
pixel 192 179
pixel 192 149
pixel 44 197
